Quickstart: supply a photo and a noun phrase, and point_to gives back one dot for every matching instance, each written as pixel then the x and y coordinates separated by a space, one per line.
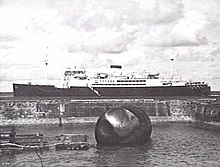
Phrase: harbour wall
pixel 15 111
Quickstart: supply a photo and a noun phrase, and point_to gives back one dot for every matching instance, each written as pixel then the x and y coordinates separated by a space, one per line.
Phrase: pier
pixel 77 111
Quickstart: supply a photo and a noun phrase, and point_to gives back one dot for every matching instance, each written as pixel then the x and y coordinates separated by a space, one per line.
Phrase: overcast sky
pixel 99 33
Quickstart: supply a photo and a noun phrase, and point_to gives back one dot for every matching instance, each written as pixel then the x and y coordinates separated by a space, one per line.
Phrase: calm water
pixel 172 145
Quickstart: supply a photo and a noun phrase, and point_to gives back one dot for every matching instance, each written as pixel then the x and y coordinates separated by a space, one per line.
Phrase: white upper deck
pixel 116 78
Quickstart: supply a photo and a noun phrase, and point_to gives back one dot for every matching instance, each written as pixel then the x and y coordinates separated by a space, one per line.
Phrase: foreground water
pixel 174 144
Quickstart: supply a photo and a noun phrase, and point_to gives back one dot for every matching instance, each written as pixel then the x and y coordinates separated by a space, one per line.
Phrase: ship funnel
pixel 116 70
pixel 116 66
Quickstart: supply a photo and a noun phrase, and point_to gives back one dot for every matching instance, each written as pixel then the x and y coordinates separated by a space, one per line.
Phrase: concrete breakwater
pixel 15 111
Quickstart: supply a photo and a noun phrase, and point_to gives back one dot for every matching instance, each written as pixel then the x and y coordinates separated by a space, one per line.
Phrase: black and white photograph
pixel 110 83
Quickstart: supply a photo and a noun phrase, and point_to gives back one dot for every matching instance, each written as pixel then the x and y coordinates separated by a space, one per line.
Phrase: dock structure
pixel 72 142
pixel 7 134
pixel 31 140
pixel 10 142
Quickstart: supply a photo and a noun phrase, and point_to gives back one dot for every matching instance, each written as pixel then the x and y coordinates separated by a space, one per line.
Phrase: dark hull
pixel 52 91
pixel 202 90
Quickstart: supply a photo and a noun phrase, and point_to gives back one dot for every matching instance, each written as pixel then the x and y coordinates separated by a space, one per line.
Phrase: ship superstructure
pixel 144 84
pixel 75 77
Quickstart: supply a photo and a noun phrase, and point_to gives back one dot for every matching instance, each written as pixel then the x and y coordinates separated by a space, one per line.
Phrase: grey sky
pixel 101 32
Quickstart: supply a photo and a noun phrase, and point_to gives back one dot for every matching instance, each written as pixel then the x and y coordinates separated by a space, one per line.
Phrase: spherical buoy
pixel 122 126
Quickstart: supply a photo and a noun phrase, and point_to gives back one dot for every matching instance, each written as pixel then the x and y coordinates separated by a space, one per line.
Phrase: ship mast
pixel 46 66
pixel 171 68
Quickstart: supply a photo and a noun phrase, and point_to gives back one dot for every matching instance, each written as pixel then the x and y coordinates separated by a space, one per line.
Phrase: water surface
pixel 174 144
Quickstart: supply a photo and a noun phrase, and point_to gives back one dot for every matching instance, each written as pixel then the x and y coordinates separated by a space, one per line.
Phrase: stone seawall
pixel 15 111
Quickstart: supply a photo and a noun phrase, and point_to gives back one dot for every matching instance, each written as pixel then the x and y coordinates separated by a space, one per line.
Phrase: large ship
pixel 114 83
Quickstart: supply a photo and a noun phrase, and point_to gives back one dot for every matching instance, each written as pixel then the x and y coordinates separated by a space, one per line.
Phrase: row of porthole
pixel 118 84
pixel 122 81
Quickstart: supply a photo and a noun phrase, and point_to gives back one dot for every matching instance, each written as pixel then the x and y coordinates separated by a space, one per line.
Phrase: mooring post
pixel 60 121
pixel 62 110
pixel 12 135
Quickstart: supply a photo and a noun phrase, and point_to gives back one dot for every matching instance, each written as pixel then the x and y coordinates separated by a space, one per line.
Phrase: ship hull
pixel 52 91
pixel 155 91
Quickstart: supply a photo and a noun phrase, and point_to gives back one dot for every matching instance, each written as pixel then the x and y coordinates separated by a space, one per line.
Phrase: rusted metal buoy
pixel 126 125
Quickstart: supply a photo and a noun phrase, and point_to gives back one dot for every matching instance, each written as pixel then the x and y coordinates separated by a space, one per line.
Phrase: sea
pixel 175 144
